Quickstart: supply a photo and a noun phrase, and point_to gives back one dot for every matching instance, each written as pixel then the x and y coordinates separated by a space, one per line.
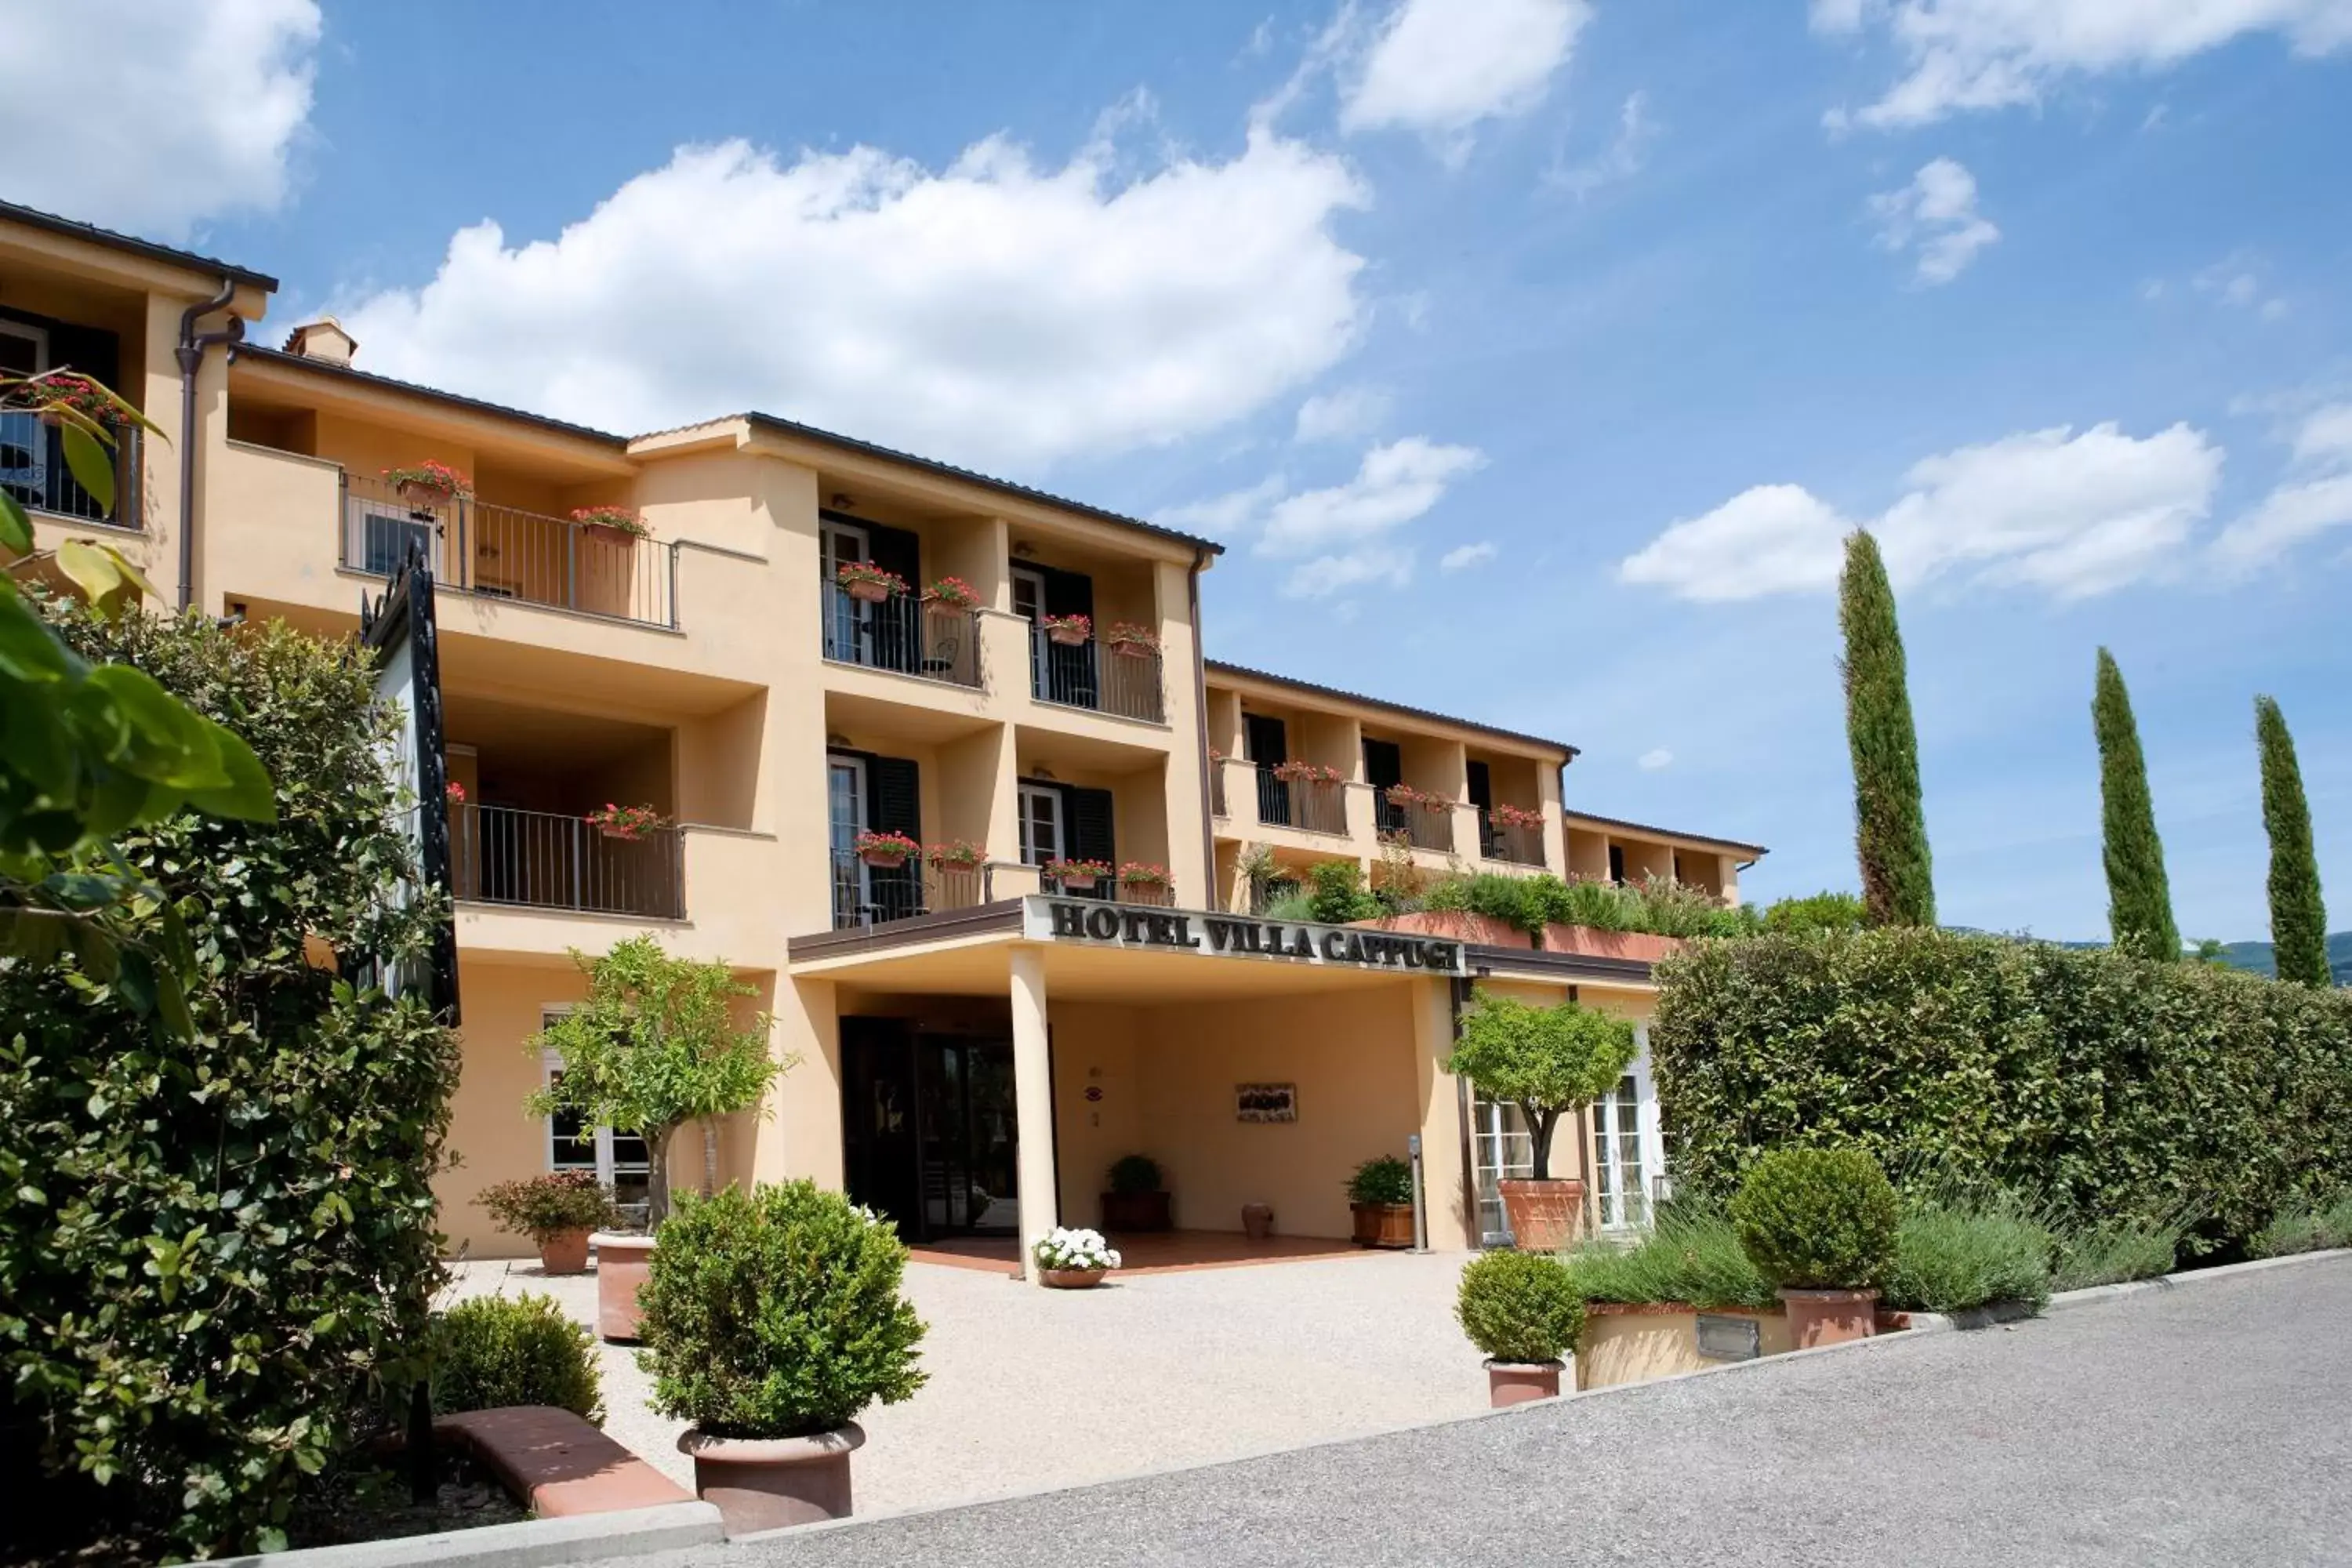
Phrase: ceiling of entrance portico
pixel 1094 974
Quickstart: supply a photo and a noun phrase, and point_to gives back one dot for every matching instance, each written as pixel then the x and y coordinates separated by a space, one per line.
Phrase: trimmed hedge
pixel 1817 1219
pixel 494 1351
pixel 2110 1086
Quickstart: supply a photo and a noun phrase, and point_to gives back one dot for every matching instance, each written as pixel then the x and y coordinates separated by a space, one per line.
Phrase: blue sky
pixel 1530 356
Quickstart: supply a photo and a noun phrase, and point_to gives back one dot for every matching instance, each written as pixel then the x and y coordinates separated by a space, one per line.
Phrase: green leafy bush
pixel 1951 1257
pixel 496 1351
pixel 777 1314
pixel 2112 1251
pixel 1690 1254
pixel 1133 1174
pixel 1819 911
pixel 210 1247
pixel 1519 1307
pixel 2112 1089
pixel 1337 894
pixel 1817 1218
pixel 1602 906
pixel 2306 1227
pixel 556 1204
pixel 1382 1180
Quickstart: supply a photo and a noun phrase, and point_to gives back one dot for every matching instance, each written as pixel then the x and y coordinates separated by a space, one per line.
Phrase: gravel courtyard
pixel 1032 1388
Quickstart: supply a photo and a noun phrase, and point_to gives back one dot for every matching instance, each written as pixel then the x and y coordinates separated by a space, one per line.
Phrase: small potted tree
pixel 1138 1199
pixel 429 483
pixel 1380 1196
pixel 1128 640
pixel 558 1211
pixel 868 584
pixel 886 851
pixel 1550 1062
pixel 771 1321
pixel 651 1046
pixel 1070 631
pixel 1819 1223
pixel 1073 1259
pixel 626 823
pixel 612 524
pixel 1523 1311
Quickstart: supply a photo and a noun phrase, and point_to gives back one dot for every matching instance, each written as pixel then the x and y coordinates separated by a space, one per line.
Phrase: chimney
pixel 323 339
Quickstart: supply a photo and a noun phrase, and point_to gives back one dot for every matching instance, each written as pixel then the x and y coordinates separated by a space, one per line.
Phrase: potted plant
pixel 1129 640
pixel 952 593
pixel 1550 1062
pixel 1139 876
pixel 863 580
pixel 624 822
pixel 1077 876
pixel 1138 1199
pixel 1404 796
pixel 1435 804
pixel 558 1211
pixel 1380 1196
pixel 1070 631
pixel 1522 1310
pixel 1514 816
pixel 653 1046
pixel 61 398
pixel 612 524
pixel 886 851
pixel 1819 1223
pixel 429 483
pixel 771 1320
pixel 956 855
pixel 1073 1259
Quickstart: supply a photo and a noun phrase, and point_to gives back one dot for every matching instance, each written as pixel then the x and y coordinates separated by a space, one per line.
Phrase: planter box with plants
pixel 868 584
pixel 626 823
pixel 1128 640
pixel 1819 1223
pixel 612 524
pixel 1077 876
pixel 952 593
pixel 1521 1309
pixel 1142 878
pixel 1551 1062
pixel 771 1320
pixel 1068 631
pixel 886 851
pixel 1073 1259
pixel 558 1211
pixel 1137 1200
pixel 430 483
pixel 1379 1197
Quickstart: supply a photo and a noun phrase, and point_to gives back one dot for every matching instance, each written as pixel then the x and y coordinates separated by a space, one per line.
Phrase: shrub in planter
pixel 1690 1255
pixel 557 1211
pixel 771 1321
pixel 1337 894
pixel 1821 1224
pixel 496 1351
pixel 1136 1199
pixel 1521 1309
pixel 1380 1196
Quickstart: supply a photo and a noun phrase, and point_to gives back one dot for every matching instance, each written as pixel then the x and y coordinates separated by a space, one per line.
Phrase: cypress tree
pixel 1890 828
pixel 2139 899
pixel 2298 919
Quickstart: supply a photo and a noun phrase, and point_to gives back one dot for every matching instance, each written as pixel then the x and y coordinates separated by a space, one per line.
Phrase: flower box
pixel 610 524
pixel 956 855
pixel 1077 876
pixel 429 483
pixel 1305 774
pixel 1515 816
pixel 868 582
pixel 1069 631
pixel 1137 874
pixel 1131 641
pixel 61 398
pixel 952 593
pixel 626 823
pixel 886 851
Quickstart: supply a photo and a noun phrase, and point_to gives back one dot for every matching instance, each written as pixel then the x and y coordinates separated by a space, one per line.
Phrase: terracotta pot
pixel 605 533
pixel 1069 636
pixel 1829 1317
pixel 1510 1383
pixel 1078 884
pixel 770 1483
pixel 1592 943
pixel 614 830
pixel 1133 649
pixel 566 1252
pixel 623 1262
pixel 1072 1279
pixel 1123 1211
pixel 1382 1225
pixel 1544 1215
pixel 1485 931
pixel 869 592
pixel 426 495
pixel 1257 1221
pixel 883 860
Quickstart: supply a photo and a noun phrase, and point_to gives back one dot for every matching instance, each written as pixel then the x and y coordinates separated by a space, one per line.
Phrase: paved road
pixel 2207 1424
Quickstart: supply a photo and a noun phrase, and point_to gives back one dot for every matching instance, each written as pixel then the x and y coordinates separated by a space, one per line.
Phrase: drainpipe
pixel 191 355
pixel 1201 717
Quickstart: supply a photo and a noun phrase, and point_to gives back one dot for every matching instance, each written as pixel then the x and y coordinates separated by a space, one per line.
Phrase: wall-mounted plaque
pixel 1265 1101
pixel 1722 1337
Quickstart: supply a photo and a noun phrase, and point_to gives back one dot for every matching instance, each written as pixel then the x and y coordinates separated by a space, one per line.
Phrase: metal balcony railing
pixel 499 855
pixel 866 895
pixel 33 470
pixel 1521 845
pixel 501 553
pixel 1216 787
pixel 903 633
pixel 1090 675
pixel 1314 805
pixel 1422 828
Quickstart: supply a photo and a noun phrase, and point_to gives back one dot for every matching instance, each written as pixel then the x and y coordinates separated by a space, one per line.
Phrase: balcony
pixel 1425 821
pixel 33 470
pixel 1288 797
pixel 1122 680
pixel 499 855
pixel 911 636
pixel 501 553
pixel 1518 842
pixel 866 895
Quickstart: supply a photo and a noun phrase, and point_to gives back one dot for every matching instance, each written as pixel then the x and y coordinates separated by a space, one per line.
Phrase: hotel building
pixel 973 1046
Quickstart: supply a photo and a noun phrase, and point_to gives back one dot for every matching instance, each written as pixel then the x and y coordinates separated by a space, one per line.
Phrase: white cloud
pixel 1936 215
pixel 1440 67
pixel 1346 415
pixel 2236 280
pixel 992 313
pixel 1220 517
pixel 1650 761
pixel 2072 515
pixel 1620 160
pixel 2315 496
pixel 154 117
pixel 1992 54
pixel 1462 557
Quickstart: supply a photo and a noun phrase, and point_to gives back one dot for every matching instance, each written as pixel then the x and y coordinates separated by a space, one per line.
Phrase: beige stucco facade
pixel 715 671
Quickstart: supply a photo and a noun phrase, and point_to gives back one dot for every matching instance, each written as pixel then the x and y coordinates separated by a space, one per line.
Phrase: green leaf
pixel 168 742
pixel 30 650
pixel 15 528
pixel 92 465
pixel 247 795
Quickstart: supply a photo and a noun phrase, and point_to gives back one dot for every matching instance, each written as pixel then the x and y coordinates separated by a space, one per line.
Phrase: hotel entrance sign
pixel 1091 922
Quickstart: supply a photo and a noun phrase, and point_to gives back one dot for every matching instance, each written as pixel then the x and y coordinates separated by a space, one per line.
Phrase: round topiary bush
pixel 1520 1306
pixel 777 1314
pixel 1820 1220
pixel 496 1351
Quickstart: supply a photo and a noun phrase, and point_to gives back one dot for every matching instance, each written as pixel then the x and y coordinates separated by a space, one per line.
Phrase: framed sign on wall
pixel 1265 1101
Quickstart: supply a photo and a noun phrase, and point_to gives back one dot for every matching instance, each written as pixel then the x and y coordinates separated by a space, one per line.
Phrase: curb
pixel 2092 1296
pixel 531 1544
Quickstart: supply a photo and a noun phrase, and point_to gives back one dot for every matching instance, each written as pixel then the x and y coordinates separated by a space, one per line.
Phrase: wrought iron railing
pixel 1123 681
pixel 903 633
pixel 501 553
pixel 1515 842
pixel 1422 828
pixel 865 895
pixel 500 855
pixel 1315 806
pixel 33 470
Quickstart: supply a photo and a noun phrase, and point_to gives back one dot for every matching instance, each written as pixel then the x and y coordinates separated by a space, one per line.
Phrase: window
pixel 1041 823
pixel 24 445
pixel 384 541
pixel 619 1160
pixel 844 785
pixel 1628 1149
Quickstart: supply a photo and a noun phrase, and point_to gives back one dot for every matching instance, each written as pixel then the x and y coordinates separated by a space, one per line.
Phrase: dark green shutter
pixel 894 804
pixel 1091 837
pixel 1070 671
pixel 897 623
pixel 1482 787
pixel 1384 763
pixel 95 353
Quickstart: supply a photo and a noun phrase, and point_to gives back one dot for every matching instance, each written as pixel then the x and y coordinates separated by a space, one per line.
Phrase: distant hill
pixel 2256 956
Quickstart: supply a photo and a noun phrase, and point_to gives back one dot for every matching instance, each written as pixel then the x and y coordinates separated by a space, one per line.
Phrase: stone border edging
pixel 2091 1296
pixel 531 1544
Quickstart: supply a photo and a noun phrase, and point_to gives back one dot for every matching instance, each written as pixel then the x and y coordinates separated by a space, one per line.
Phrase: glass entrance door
pixel 930 1131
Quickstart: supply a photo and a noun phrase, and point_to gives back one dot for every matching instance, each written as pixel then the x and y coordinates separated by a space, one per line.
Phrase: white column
pixel 1032 1103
